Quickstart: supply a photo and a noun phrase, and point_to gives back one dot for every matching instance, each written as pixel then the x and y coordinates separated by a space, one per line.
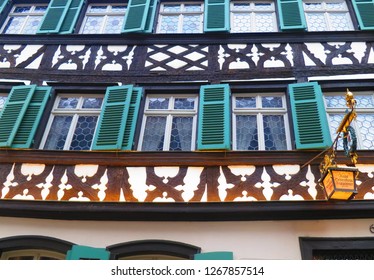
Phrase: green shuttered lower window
pixel 216 16
pixel 309 116
pixel 224 255
pixel 214 130
pixel 365 13
pixel 79 252
pixel 291 15
pixel 21 115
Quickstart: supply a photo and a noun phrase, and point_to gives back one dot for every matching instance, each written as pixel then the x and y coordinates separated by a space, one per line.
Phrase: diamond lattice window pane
pixel 184 103
pixel 83 134
pixel 2 101
pixel 191 24
pixel 365 122
pixel 154 134
pixel 68 102
pixel 246 132
pixel 181 134
pixel 274 133
pixel 58 132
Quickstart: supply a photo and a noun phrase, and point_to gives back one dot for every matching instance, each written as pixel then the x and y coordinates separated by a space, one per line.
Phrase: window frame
pixel 5 96
pixel 342 111
pixel 169 114
pixel 37 254
pixel 308 245
pixel 259 112
pixel 252 11
pixel 32 13
pixel 71 112
pixel 180 15
pixel 105 14
pixel 327 12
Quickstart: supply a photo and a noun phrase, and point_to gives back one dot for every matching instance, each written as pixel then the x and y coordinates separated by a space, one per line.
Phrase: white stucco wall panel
pixel 247 240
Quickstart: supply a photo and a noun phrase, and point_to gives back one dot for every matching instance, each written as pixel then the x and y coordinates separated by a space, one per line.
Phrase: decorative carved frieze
pixel 87 182
pixel 186 58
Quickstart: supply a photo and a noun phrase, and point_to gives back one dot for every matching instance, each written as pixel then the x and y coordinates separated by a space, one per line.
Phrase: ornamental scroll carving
pixel 96 183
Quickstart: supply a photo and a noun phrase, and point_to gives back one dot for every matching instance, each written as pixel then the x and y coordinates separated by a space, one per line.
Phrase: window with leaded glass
pixel 253 16
pixel 103 19
pixel 24 19
pixel 32 254
pixel 72 123
pixel 327 15
pixel 260 122
pixel 169 123
pixel 363 124
pixel 180 18
pixel 3 98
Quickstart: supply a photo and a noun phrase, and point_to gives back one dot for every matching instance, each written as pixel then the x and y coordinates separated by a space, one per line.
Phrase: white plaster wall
pixel 248 240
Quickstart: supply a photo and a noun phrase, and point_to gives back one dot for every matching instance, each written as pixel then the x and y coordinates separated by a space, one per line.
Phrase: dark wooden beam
pixel 238 211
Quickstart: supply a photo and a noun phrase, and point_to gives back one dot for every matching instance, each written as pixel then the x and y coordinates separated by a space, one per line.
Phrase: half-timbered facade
pixel 182 129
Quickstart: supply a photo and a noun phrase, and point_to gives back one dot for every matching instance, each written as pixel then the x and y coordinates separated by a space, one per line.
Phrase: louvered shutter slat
pixel 3 3
pixel 151 16
pixel 365 13
pixel 136 16
pixel 216 15
pixel 113 117
pixel 214 130
pixel 12 114
pixel 128 137
pixel 54 16
pixel 71 17
pixel 291 15
pixel 309 116
pixel 26 131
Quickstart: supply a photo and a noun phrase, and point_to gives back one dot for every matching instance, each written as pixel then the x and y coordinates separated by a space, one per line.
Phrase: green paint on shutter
pixel 113 117
pixel 54 16
pixel 214 256
pixel 71 17
pixel 151 16
pixel 309 116
pixel 14 109
pixel 26 131
pixel 291 14
pixel 214 129
pixel 3 4
pixel 79 252
pixel 216 15
pixel 365 13
pixel 128 136
pixel 136 16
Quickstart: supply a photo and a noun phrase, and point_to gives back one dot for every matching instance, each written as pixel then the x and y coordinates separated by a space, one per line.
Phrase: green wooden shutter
pixel 214 129
pixel 214 256
pixel 3 4
pixel 14 109
pixel 79 252
pixel 54 16
pixel 71 17
pixel 26 131
pixel 291 14
pixel 113 117
pixel 128 136
pixel 309 116
pixel 136 16
pixel 216 15
pixel 151 16
pixel 365 13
